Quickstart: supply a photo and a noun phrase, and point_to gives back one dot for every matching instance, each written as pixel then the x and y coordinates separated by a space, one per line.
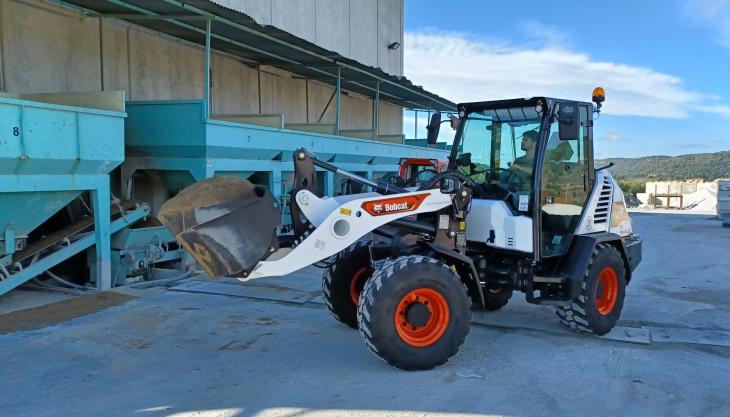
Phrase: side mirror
pixel 568 121
pixel 433 128
pixel 454 121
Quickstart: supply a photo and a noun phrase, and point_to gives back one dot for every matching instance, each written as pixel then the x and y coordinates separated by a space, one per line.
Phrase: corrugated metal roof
pixel 240 35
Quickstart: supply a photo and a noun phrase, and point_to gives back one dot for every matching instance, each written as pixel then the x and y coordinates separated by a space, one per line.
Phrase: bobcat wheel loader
pixel 519 208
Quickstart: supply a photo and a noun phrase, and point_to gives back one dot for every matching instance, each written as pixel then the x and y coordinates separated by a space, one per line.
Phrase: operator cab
pixel 526 157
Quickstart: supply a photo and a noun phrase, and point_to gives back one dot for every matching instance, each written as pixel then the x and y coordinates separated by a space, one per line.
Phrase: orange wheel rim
pixel 422 317
pixel 606 291
pixel 355 289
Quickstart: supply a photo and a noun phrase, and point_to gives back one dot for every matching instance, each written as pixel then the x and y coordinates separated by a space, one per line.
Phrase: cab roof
pixel 514 102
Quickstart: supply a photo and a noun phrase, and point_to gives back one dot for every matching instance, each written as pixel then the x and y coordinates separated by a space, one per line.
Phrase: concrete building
pixel 51 46
pixel 138 99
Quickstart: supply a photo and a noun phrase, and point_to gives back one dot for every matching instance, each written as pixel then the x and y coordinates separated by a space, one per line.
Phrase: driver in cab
pixel 522 166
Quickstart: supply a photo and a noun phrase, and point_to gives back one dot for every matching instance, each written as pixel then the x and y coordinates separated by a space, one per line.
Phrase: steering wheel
pixel 520 177
pixel 427 185
pixel 420 173
pixel 500 174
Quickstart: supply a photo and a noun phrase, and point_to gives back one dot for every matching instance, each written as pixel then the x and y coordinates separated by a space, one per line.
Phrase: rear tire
pixel 601 299
pixel 343 281
pixel 414 313
pixel 496 297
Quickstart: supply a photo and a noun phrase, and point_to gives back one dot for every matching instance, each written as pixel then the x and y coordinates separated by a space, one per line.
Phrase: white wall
pixel 47 48
pixel 344 26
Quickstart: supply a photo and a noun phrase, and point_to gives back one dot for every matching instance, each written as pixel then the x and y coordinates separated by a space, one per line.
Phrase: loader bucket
pixel 228 225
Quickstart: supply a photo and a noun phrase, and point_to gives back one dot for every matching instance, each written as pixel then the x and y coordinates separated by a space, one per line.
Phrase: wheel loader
pixel 520 207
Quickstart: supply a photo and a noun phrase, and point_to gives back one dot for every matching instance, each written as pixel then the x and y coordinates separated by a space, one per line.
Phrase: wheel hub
pixel 422 317
pixel 417 314
pixel 356 284
pixel 607 289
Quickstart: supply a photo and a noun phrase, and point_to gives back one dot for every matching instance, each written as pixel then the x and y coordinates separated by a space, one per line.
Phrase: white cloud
pixel 464 69
pixel 713 14
pixel 546 34
pixel 613 136
pixel 721 109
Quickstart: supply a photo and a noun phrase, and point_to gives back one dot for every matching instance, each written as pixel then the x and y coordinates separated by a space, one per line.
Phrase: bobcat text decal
pixel 393 205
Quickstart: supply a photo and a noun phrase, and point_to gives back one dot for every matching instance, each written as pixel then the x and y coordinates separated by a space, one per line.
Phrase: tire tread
pixel 573 316
pixel 372 287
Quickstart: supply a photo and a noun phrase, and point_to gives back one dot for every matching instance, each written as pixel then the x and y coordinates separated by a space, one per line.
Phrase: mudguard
pixel 575 262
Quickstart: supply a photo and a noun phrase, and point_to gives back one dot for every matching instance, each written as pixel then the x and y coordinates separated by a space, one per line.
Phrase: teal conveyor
pixel 50 153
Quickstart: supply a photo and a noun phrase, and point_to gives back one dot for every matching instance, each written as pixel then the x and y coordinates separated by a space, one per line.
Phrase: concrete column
pixel 338 90
pixel 376 110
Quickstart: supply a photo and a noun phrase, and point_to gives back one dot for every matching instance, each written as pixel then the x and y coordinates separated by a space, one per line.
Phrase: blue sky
pixel 665 64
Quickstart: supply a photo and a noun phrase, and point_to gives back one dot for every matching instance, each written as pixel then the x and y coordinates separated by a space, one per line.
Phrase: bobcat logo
pixel 394 205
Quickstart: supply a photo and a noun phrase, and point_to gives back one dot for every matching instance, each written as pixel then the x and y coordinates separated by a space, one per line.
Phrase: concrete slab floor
pixel 172 353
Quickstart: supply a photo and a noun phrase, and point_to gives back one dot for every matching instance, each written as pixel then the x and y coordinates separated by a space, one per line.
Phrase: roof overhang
pixel 239 35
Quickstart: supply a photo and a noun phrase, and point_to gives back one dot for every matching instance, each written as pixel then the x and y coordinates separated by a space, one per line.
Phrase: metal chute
pixel 228 225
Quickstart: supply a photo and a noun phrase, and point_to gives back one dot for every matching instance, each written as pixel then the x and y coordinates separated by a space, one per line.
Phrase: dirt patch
pixel 241 345
pixel 236 320
pixel 58 312
pixel 266 321
pixel 137 343
pixel 240 319
pixel 450 379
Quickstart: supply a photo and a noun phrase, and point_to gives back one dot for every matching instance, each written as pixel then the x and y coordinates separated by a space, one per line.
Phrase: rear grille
pixel 604 202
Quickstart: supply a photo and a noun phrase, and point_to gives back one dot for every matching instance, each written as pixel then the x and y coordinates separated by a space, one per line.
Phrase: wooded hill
pixel 708 166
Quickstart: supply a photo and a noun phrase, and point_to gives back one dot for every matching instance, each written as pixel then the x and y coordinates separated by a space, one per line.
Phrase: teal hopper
pixel 50 153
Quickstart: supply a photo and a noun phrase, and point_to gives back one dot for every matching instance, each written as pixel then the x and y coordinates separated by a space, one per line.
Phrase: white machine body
pixel 341 221
pixel 338 222
pixel 491 222
pixel 606 209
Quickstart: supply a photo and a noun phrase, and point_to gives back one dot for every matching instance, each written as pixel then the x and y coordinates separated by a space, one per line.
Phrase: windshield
pixel 498 148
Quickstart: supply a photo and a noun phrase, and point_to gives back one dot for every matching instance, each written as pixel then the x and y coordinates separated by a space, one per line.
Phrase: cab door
pixel 566 180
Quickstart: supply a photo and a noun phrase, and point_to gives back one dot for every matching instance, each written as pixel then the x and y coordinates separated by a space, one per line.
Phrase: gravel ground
pixel 174 353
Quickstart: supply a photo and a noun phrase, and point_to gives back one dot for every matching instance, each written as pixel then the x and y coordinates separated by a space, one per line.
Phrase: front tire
pixel 344 280
pixel 414 313
pixel 601 299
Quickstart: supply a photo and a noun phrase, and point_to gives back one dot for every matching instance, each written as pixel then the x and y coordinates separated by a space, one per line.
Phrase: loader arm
pixel 229 225
pixel 338 225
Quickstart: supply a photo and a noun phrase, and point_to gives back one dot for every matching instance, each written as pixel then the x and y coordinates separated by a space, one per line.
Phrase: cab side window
pixel 564 186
